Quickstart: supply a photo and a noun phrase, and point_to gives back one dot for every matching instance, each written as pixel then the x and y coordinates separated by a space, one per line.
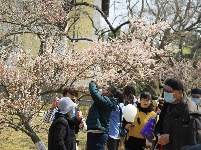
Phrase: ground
pixel 16 140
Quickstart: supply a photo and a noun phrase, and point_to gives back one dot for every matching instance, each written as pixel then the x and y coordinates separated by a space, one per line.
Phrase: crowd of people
pixel 177 116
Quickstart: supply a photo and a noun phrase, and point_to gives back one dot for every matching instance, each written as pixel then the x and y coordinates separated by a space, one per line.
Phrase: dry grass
pixel 16 140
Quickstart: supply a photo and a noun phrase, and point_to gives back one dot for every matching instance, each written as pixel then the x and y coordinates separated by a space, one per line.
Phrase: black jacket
pixel 175 120
pixel 61 133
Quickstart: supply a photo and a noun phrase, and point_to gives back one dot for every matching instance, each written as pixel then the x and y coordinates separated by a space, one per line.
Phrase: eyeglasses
pixel 145 100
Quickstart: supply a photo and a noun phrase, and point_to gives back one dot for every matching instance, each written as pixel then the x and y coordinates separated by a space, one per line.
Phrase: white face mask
pixel 100 91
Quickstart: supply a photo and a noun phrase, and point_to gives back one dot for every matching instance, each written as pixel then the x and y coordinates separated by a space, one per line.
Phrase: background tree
pixel 135 55
pixel 44 19
pixel 51 21
pixel 25 77
pixel 132 58
pixel 183 16
pixel 54 18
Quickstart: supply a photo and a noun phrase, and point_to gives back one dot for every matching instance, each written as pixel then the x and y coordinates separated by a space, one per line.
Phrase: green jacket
pixel 99 114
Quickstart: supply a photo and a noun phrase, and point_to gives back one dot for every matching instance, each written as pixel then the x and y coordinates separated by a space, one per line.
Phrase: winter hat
pixel 173 84
pixel 65 104
pixel 196 91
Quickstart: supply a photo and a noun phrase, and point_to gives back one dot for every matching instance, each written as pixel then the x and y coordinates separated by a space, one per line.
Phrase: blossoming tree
pixel 130 57
pixel 25 78
pixel 133 58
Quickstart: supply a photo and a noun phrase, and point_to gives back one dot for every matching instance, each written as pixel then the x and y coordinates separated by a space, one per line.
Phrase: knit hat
pixel 65 104
pixel 196 91
pixel 173 84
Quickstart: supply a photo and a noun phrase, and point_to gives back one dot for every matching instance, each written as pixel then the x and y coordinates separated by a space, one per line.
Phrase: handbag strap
pixel 120 115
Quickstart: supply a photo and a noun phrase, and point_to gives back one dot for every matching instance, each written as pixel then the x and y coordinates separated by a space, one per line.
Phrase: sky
pixel 117 13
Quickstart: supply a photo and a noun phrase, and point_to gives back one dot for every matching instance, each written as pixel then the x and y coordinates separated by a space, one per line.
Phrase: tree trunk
pixel 40 145
pixel 32 134
pixel 153 88
pixel 42 46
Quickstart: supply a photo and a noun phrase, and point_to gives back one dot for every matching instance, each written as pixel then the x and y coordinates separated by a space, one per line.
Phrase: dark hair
pixel 153 97
pixel 128 90
pixel 120 96
pixel 113 90
pixel 72 91
pixel 146 95
pixel 129 94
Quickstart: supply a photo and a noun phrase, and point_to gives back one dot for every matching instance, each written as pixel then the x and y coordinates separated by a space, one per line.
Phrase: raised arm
pixel 50 113
pixel 100 100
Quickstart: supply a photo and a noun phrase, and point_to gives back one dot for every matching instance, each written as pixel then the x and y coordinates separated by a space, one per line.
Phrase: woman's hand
pixel 128 126
pixel 148 145
pixel 54 103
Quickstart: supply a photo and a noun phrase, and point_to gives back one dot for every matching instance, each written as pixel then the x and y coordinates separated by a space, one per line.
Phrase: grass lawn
pixel 16 140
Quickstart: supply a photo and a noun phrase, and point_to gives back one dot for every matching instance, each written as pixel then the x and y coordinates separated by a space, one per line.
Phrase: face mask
pixel 196 100
pixel 169 97
pixel 73 113
pixel 100 91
